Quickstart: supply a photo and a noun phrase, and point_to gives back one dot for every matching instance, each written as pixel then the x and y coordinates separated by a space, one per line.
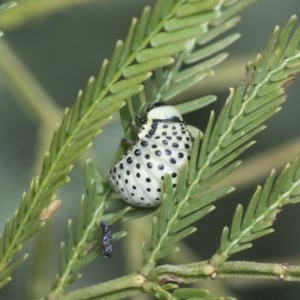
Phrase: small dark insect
pixel 106 239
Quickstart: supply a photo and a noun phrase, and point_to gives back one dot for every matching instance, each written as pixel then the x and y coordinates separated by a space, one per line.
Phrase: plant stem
pixel 121 287
pixel 187 273
pixel 62 279
pixel 235 269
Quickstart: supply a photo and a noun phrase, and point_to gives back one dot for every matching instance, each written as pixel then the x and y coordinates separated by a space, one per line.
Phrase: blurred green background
pixel 61 48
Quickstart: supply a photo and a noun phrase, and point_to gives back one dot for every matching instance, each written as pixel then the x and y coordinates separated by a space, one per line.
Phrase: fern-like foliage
pixel 153 42
pixel 196 62
pixel 79 248
pixel 261 212
pixel 178 213
pixel 159 59
pixel 83 243
pixel 247 108
pixel 242 117
pixel 215 155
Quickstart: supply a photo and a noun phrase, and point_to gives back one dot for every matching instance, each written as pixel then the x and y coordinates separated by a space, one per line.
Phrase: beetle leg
pixel 140 118
pixel 135 127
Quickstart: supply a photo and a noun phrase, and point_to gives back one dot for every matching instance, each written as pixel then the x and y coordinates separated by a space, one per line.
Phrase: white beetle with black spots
pixel 163 146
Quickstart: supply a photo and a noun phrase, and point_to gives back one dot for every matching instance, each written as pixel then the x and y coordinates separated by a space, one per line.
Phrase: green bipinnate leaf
pixel 168 49
pixel 162 36
pixel 213 157
pixel 241 118
pixel 257 220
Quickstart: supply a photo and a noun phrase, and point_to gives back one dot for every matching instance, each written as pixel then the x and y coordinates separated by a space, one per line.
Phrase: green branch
pixel 153 43
pixel 159 59
pixel 258 98
pixel 82 245
pixel 126 286
pixel 190 273
pixel 257 221
pixel 119 79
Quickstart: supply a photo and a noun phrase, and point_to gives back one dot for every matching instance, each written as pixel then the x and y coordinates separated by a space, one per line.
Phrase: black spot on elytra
pixel 157 152
pixel 144 143
pixel 168 151
pixel 129 160
pixel 137 152
pixel 172 161
pixel 161 166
